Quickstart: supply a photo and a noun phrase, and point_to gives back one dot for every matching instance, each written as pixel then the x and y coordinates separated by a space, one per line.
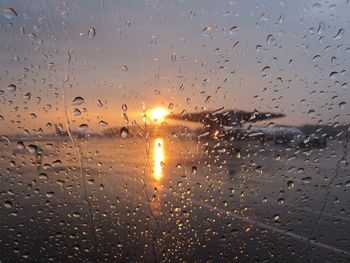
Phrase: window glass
pixel 174 131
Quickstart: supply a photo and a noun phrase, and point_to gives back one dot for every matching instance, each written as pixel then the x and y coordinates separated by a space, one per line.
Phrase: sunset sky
pixel 285 56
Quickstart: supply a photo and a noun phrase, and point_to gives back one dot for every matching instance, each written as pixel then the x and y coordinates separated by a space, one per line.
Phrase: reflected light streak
pixel 158 157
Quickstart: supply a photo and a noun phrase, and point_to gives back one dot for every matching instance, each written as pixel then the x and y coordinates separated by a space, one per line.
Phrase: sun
pixel 158 114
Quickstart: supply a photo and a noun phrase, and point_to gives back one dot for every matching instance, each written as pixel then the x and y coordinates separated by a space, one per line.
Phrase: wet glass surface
pixel 174 131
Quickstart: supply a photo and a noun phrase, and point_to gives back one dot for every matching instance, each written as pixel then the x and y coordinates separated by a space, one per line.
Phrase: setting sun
pixel 158 114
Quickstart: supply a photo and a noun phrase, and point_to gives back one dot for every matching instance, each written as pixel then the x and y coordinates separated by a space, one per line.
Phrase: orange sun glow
pixel 158 114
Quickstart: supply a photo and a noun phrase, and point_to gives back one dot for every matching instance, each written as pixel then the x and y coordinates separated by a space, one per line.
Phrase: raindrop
pixel 290 184
pixel 5 139
pixel 311 111
pixel 125 68
pixel 8 204
pixel 91 33
pixel 124 107
pixel 103 124
pixel 76 112
pixel 126 118
pixel 32 148
pixel 280 201
pixel 265 68
pixel 9 13
pixel 238 154
pixel 316 57
pixel 76 214
pixel 124 132
pixel 20 146
pixel 340 34
pixel 276 218
pixel 333 59
pixel 27 96
pixel 194 169
pixel 57 163
pixel 43 176
pixel 281 19
pixel 173 57
pixel 306 180
pixel 265 16
pixel 78 101
pixel 316 6
pixel 234 30
pixel 333 74
pixel 50 194
pixel 208 28
pixel 83 127
pixel 301 170
pixel 321 27
pixel 11 88
pixel 342 105
pixel 99 103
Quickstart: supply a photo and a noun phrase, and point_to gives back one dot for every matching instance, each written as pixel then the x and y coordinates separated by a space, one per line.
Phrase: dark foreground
pixel 115 200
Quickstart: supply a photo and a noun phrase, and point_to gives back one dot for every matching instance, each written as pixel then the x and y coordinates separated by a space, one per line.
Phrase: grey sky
pixel 299 56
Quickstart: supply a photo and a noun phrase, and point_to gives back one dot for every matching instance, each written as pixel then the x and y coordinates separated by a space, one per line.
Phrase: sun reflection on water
pixel 158 156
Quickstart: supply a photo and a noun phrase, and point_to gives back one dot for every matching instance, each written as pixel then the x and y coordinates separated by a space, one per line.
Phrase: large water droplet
pixel 9 13
pixel 20 146
pixel 8 204
pixel 276 218
pixel 11 88
pixel 50 194
pixel 78 101
pixel 194 169
pixel 234 30
pixel 124 107
pixel 306 180
pixel 103 124
pixel 124 132
pixel 76 112
pixel 173 57
pixel 290 184
pixel 340 34
pixel 333 74
pixel 91 33
pixel 342 105
pixel 321 27
pixel 83 127
pixel 32 148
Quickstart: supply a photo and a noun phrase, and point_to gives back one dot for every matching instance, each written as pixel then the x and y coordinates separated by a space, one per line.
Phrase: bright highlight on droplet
pixel 158 156
pixel 158 114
